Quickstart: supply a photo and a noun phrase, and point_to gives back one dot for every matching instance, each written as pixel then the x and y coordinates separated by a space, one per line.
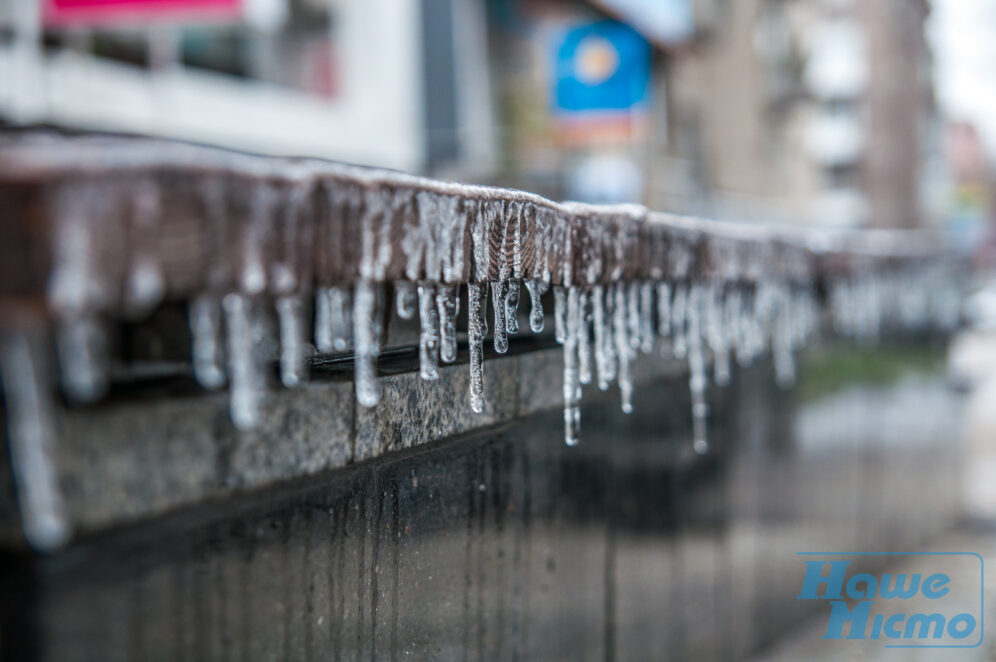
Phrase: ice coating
pixel 477 329
pixel 405 299
pixel 208 343
pixel 368 315
pixel 428 344
pixel 536 288
pixel 753 294
pixel 247 386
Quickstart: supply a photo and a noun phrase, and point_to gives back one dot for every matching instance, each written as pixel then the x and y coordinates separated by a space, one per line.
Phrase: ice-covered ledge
pixel 281 258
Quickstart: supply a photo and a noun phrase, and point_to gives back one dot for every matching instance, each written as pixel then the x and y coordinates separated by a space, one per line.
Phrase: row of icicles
pixel 601 329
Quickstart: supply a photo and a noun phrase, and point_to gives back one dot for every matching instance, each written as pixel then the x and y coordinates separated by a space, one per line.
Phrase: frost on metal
pixel 100 228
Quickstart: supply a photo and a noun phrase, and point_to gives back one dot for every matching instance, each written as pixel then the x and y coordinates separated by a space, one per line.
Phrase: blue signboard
pixel 600 68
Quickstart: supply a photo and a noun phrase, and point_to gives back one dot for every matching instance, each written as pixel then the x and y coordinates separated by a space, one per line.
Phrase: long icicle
pixel 368 322
pixel 535 287
pixel 248 382
pixel 499 289
pixel 293 344
pixel 624 347
pixel 448 303
pixel 206 330
pixel 477 329
pixel 572 385
pixel 696 370
pixel 428 344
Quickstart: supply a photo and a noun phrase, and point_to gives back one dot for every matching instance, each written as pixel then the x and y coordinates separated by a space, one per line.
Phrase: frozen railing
pixel 102 228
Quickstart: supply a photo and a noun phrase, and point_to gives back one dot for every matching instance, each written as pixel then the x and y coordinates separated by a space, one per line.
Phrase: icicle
pixel 624 348
pixel 333 319
pixel 781 344
pixel 448 304
pixel 717 335
pixel 82 348
pixel 572 385
pixel 428 344
pixel 605 357
pixel 206 329
pixel 535 287
pixel 512 306
pixel 696 368
pixel 663 309
pixel 245 367
pixel 560 313
pixel 405 299
pixel 368 322
pixel 735 323
pixel 342 325
pixel 323 321
pixel 293 344
pixel 145 284
pixel 499 289
pixel 679 306
pixel 477 329
pixel 584 340
pixel 646 317
pixel 30 434
pixel 633 313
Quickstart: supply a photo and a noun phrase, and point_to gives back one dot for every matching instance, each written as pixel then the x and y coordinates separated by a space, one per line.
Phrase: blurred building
pixel 798 110
pixel 356 80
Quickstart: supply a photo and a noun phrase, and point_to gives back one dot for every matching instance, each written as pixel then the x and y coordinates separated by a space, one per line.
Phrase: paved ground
pixel 978 535
pixel 807 643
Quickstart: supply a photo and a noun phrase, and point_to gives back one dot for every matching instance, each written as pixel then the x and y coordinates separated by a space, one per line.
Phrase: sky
pixel 963 37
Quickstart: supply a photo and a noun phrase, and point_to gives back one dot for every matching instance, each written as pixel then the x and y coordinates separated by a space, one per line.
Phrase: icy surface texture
pixel 292 245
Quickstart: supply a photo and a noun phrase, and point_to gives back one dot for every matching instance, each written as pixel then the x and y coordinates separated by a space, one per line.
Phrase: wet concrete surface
pixel 506 544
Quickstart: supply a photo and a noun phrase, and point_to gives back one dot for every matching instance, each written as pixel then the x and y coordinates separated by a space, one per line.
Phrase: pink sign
pixel 110 12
